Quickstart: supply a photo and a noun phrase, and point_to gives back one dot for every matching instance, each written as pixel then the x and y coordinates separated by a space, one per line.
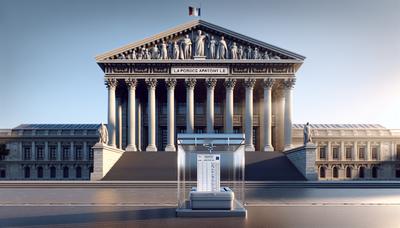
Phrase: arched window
pixel 52 172
pixel 374 172
pixel 40 172
pixel 335 172
pixel 65 172
pixel 322 172
pixel 27 172
pixel 348 172
pixel 361 172
pixel 78 172
pixel 2 173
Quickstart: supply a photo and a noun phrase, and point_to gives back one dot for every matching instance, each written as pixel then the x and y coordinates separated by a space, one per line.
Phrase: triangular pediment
pixel 186 42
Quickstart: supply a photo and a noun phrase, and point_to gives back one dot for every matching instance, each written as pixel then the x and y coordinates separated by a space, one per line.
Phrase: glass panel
pixel 202 158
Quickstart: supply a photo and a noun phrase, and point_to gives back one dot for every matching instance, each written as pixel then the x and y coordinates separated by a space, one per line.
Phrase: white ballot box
pixel 210 175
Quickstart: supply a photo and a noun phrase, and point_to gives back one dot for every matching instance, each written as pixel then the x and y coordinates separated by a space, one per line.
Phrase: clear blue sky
pixel 47 47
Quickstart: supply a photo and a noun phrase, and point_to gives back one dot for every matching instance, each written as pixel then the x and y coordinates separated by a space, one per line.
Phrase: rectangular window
pixel 90 153
pixel 65 155
pixel 322 152
pixel 348 152
pixel 199 110
pixel 181 108
pixel 361 153
pixel 335 153
pixel 218 109
pixel 53 153
pixel 39 153
pixel 374 153
pixel 78 153
pixel 398 151
pixel 27 153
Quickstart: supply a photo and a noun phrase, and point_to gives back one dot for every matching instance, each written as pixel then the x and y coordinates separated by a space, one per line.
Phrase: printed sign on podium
pixel 208 172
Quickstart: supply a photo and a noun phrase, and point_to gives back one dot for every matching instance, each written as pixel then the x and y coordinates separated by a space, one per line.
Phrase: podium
pixel 211 175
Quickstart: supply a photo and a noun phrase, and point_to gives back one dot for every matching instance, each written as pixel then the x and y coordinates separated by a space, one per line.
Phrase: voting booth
pixel 210 175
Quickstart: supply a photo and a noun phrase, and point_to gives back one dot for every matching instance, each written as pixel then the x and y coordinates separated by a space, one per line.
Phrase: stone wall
pixel 304 159
pixel 104 159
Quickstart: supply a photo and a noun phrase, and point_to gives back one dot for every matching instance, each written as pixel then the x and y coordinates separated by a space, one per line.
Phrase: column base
pixel 113 145
pixel 288 147
pixel 268 148
pixel 151 148
pixel 249 147
pixel 131 148
pixel 170 147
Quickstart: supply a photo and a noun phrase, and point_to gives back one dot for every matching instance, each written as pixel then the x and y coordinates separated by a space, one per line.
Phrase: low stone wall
pixel 104 159
pixel 304 159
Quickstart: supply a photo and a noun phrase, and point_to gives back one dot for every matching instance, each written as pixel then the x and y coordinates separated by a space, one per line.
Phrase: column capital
pixel 190 82
pixel 230 83
pixel 289 83
pixel 211 83
pixel 131 83
pixel 111 83
pixel 249 83
pixel 268 83
pixel 151 83
pixel 170 82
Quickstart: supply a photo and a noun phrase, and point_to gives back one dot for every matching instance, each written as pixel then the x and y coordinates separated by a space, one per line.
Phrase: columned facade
pixel 249 84
pixel 111 85
pixel 268 83
pixel 288 84
pixel 131 84
pixel 210 83
pixel 171 83
pixel 151 87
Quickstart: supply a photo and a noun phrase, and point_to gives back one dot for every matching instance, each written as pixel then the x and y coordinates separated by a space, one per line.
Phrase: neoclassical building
pixel 201 78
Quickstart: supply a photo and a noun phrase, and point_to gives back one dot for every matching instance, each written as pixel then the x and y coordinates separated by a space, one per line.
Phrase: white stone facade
pixel 48 152
pixel 354 151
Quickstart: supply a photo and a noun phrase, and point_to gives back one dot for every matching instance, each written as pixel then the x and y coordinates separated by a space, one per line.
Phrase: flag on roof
pixel 194 11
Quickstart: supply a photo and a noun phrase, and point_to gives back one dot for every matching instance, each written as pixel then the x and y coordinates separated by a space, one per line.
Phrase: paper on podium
pixel 208 172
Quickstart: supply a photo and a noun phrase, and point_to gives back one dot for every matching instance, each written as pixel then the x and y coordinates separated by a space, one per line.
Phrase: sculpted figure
pixel 140 55
pixel 155 53
pixel 249 53
pixel 212 46
pixel 199 43
pixel 240 52
pixel 133 55
pixel 175 54
pixel 146 54
pixel 266 55
pixel 164 51
pixel 171 50
pixel 307 134
pixel 276 57
pixel 234 51
pixel 121 56
pixel 222 49
pixel 103 134
pixel 256 54
pixel 187 47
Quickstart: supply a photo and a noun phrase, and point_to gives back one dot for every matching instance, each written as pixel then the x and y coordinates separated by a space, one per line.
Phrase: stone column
pixel 268 83
pixel 355 151
pixel 111 84
pixel 46 151
pixel 229 86
pixel 85 151
pixel 171 83
pixel 210 84
pixel 59 152
pixel 368 151
pixel 288 84
pixel 190 84
pixel 119 123
pixel 151 87
pixel 33 151
pixel 329 151
pixel 131 83
pixel 71 154
pixel 249 84
pixel 342 151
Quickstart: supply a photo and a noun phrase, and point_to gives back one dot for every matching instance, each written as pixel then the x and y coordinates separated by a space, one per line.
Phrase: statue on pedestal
pixel 199 43
pixel 164 50
pixel 307 134
pixel 234 51
pixel 155 54
pixel 186 47
pixel 175 52
pixel 240 52
pixel 212 47
pixel 222 49
pixel 249 52
pixel 103 134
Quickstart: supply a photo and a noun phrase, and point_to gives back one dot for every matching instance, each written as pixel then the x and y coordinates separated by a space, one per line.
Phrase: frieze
pixel 240 70
pixel 141 70
pixel 160 70
pixel 120 69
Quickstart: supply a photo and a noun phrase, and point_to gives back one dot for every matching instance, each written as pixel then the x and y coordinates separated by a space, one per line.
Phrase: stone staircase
pixel 162 166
